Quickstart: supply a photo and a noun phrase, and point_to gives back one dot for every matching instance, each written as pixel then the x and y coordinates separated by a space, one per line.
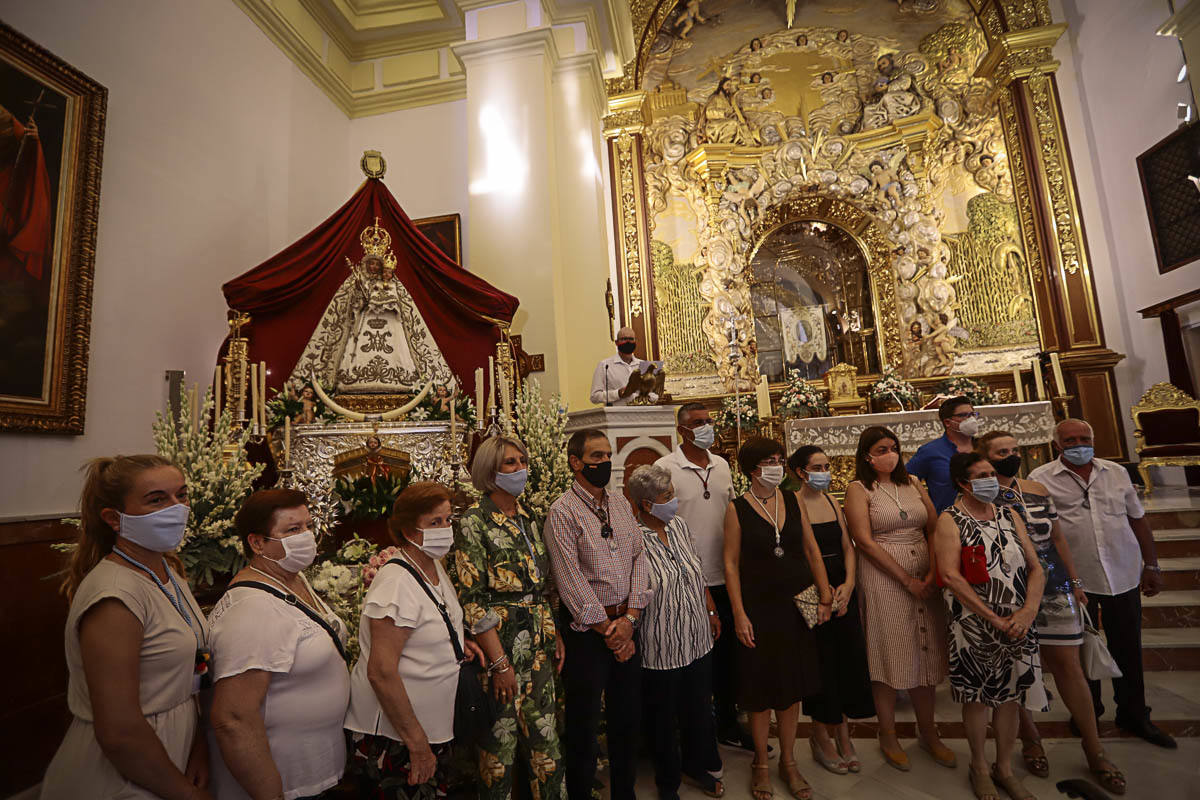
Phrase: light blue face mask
pixel 665 511
pixel 159 531
pixel 985 489
pixel 821 481
pixel 704 436
pixel 513 482
pixel 1083 454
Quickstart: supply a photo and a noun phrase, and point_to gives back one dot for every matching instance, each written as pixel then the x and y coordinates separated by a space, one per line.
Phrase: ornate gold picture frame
pixel 51 147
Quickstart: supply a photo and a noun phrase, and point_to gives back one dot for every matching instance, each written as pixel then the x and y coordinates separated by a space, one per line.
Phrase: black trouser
pixel 590 673
pixel 724 661
pixel 685 734
pixel 1121 618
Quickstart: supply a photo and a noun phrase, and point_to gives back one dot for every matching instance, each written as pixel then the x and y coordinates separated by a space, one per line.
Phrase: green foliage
pixel 368 498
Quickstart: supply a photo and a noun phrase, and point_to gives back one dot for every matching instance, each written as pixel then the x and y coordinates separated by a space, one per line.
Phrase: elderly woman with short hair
pixel 677 633
pixel 502 571
pixel 282 687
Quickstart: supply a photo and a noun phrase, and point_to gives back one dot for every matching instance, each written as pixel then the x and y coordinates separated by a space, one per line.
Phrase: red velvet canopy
pixel 287 294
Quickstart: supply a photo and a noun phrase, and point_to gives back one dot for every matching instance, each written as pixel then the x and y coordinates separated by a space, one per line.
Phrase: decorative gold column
pixel 623 127
pixel 1021 63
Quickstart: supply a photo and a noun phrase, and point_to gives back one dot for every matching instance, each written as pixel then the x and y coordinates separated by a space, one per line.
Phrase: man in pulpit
pixel 610 381
pixel 372 340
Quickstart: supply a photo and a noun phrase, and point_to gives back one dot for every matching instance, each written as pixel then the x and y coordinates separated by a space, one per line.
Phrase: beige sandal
pixel 761 789
pixel 797 786
pixel 1107 774
pixel 982 786
pixel 1012 784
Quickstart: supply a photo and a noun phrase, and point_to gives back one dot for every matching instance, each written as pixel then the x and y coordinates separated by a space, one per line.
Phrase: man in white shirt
pixel 704 488
pixel 1113 548
pixel 611 375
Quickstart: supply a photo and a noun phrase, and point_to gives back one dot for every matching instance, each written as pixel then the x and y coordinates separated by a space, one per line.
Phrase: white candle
pixel 217 396
pixel 454 424
pixel 1018 388
pixel 1037 379
pixel 1059 384
pixel 491 383
pixel 479 397
pixel 287 441
pixel 253 415
pixel 763 393
pixel 195 407
pixel 262 396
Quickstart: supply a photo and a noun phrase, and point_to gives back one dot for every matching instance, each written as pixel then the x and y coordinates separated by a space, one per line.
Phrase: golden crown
pixel 378 242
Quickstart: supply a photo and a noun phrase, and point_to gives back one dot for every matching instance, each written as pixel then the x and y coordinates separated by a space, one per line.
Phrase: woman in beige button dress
pixel 134 639
pixel 892 522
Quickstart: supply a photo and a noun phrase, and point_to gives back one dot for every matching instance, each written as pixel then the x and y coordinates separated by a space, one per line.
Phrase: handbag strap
pixel 459 655
pixel 294 601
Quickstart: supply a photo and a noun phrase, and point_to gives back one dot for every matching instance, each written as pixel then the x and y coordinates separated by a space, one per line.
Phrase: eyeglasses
pixel 772 462
pixel 698 423
pixel 964 415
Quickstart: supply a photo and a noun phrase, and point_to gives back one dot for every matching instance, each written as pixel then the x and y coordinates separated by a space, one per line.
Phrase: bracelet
pixel 1077 583
pixel 1153 568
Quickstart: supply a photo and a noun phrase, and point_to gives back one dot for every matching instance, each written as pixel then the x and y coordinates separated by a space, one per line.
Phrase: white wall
pixel 1118 91
pixel 218 153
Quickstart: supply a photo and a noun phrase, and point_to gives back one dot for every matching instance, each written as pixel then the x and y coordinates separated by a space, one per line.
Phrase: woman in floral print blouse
pixel 502 572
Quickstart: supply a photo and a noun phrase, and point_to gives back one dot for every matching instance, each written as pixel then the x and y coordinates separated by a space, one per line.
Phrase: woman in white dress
pixel 402 689
pixel 281 682
pixel 136 643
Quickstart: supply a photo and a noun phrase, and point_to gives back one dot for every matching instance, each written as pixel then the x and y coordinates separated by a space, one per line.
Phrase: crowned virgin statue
pixel 372 339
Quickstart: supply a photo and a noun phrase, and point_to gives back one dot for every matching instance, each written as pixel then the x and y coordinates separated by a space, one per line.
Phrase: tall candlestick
pixel 479 397
pixel 1018 387
pixel 262 396
pixel 506 399
pixel 491 384
pixel 1060 385
pixel 1037 379
pixel 287 441
pixel 763 393
pixel 454 424
pixel 217 396
pixel 195 407
pixel 253 416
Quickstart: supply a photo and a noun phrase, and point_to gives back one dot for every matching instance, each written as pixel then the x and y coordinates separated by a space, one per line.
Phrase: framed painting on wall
pixel 51 145
pixel 445 232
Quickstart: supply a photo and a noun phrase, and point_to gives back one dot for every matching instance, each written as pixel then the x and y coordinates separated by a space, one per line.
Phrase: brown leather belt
pixel 617 610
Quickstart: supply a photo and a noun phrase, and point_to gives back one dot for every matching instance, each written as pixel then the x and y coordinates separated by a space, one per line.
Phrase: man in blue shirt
pixel 931 462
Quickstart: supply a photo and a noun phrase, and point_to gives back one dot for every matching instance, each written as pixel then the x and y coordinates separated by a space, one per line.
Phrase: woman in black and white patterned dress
pixel 994 659
pixel 676 640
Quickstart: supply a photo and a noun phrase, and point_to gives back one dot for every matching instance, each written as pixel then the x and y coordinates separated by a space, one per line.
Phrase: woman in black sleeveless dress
pixel 768 561
pixel 845 677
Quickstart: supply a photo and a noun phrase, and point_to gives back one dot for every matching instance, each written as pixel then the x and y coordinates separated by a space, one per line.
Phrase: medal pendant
pixel 903 514
pixel 707 494
pixel 778 552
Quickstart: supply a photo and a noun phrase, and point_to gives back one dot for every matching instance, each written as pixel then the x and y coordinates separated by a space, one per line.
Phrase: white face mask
pixel 299 551
pixel 969 426
pixel 437 542
pixel 771 475
pixel 159 531
pixel 704 436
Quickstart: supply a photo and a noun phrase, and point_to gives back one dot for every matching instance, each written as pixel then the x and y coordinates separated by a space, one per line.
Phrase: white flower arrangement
pixel 735 407
pixel 801 399
pixel 542 426
pixel 960 385
pixel 891 386
pixel 342 580
pixel 218 480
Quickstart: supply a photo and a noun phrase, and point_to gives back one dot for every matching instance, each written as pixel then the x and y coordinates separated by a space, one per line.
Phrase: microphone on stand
pixel 607 402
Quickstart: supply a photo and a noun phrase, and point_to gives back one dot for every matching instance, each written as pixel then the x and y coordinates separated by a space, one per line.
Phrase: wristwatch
pixel 1077 583
pixel 634 621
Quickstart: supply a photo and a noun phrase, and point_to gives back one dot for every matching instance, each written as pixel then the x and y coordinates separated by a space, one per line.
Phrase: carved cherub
pixel 884 181
pixel 690 18
pixel 743 194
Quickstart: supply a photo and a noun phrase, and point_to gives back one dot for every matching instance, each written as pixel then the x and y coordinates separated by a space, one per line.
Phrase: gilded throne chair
pixel 1166 426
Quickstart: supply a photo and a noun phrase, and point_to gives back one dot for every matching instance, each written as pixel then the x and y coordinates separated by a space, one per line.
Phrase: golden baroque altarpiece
pixel 749 151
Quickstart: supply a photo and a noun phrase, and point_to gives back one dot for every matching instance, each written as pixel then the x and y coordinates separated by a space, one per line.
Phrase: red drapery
pixel 287 294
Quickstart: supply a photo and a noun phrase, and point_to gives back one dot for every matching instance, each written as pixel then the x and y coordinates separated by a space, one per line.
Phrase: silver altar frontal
pixel 316 449
pixel 1031 423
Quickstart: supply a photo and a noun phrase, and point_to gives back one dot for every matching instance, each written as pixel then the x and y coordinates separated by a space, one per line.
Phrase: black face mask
pixel 626 347
pixel 597 475
pixel 1008 467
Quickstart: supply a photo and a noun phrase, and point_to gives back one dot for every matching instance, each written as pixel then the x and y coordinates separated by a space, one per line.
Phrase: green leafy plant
pixel 891 386
pixel 435 406
pixel 732 408
pixel 978 393
pixel 368 498
pixel 288 404
pixel 800 399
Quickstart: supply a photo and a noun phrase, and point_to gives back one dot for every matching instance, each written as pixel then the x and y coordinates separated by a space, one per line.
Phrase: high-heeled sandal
pixel 818 754
pixel 1034 756
pixel 943 755
pixel 1109 776
pixel 897 759
pixel 850 758
pixel 797 786
pixel 1012 784
pixel 761 789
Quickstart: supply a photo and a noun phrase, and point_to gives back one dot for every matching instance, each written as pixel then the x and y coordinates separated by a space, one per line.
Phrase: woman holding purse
pixel 993 583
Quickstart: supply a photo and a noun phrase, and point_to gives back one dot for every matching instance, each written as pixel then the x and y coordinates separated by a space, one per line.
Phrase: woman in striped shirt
pixel 677 632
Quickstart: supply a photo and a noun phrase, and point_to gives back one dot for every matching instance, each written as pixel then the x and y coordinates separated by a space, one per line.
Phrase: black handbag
pixel 292 600
pixel 474 709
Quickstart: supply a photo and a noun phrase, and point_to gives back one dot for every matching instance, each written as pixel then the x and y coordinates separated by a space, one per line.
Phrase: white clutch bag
pixel 1098 663
pixel 808 602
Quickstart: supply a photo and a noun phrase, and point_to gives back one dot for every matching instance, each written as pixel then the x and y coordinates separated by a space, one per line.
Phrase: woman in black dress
pixel 845 678
pixel 777 662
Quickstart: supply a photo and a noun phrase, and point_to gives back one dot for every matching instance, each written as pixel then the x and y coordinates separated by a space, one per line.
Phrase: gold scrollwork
pixel 1021 191
pixel 630 230
pixel 1054 157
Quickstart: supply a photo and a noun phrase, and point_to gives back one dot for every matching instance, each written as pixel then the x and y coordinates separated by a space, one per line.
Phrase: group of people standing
pixel 672 611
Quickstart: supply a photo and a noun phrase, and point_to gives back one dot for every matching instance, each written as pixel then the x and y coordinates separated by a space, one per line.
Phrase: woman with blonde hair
pixel 136 643
pixel 502 572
